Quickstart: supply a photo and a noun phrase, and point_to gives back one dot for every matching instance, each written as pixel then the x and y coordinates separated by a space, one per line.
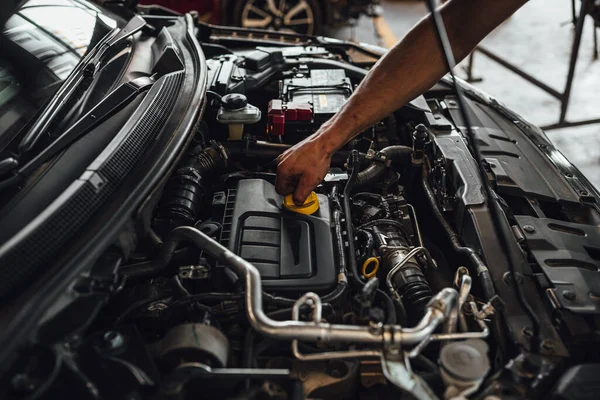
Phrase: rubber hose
pixel 353 163
pixel 388 303
pixel 336 294
pixel 483 272
pixel 374 172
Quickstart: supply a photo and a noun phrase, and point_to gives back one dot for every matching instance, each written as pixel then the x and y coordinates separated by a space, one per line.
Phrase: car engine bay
pixel 317 292
pixel 321 287
pixel 388 282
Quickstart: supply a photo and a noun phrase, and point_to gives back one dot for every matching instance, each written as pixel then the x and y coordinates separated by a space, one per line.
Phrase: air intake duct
pixel 409 281
pixel 185 188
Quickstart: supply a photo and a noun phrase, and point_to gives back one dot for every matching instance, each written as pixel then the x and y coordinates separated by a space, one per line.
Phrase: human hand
pixel 302 167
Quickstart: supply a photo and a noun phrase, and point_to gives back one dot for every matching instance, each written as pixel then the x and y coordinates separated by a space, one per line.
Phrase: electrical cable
pixel 495 211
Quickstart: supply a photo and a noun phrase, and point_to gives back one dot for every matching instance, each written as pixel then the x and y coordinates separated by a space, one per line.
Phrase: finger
pixel 284 182
pixel 303 189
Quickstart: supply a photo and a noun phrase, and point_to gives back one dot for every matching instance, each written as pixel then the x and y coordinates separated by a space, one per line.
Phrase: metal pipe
pixel 329 355
pixel 333 355
pixel 464 289
pixel 463 294
pixel 464 335
pixel 484 333
pixel 438 308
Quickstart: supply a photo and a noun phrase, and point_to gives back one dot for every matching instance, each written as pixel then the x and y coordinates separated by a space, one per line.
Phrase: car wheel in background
pixel 301 16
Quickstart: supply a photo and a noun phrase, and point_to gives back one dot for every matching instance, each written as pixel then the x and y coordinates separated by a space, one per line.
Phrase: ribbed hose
pixel 186 187
pixel 415 297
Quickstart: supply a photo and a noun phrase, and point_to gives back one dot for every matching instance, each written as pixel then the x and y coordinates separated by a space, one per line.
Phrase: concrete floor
pixel 538 39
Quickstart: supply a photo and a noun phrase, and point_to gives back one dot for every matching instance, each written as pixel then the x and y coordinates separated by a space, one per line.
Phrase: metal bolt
pixel 569 175
pixel 569 295
pixel 113 339
pixel 452 103
pixel 303 376
pixel 527 331
pixel 583 192
pixel 528 228
pixel 547 345
pixel 509 278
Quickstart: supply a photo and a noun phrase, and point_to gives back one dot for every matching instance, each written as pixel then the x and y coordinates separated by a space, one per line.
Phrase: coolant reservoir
pixel 235 112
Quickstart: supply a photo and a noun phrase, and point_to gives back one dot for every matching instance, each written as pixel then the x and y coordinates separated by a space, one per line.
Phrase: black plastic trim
pixel 105 228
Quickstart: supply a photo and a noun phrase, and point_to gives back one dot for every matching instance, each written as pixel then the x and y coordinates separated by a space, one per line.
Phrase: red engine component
pixel 280 112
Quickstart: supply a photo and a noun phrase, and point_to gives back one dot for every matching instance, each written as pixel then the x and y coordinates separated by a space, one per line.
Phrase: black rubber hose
pixel 186 187
pixel 206 297
pixel 143 269
pixel 388 304
pixel 374 172
pixel 330 297
pixel 483 272
pixel 336 293
pixel 353 164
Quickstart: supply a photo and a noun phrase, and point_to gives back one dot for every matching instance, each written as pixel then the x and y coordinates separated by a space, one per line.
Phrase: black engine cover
pixel 292 252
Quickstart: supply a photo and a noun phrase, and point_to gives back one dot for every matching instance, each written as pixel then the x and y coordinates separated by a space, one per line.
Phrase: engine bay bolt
pixel 528 228
pixel 527 331
pixel 548 345
pixel 509 278
pixel 569 295
pixel 113 339
pixel 569 175
pixel 584 192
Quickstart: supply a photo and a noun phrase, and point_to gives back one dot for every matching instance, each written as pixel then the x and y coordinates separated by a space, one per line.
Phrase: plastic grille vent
pixel 228 217
pixel 28 257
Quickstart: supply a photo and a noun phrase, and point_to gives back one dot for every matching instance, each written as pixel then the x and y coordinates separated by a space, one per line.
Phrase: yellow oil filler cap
pixel 310 205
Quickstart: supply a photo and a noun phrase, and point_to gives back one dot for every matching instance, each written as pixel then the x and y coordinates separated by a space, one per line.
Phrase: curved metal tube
pixel 438 309
pixel 463 295
pixel 329 355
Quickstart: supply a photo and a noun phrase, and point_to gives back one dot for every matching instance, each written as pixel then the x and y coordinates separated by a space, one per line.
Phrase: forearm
pixel 414 65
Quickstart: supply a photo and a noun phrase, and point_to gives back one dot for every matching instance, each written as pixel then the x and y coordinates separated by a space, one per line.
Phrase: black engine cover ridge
pixel 292 252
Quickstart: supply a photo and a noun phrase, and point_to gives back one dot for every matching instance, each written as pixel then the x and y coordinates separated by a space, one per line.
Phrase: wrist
pixel 332 136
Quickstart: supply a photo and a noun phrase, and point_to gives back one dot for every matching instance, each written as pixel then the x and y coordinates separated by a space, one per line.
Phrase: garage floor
pixel 537 38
